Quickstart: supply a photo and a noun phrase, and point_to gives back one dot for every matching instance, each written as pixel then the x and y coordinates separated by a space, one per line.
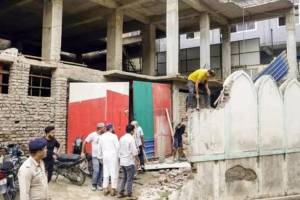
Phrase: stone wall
pixel 24 117
pixel 21 116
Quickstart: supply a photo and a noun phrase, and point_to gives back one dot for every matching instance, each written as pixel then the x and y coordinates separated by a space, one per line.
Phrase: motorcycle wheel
pixel 84 166
pixel 77 177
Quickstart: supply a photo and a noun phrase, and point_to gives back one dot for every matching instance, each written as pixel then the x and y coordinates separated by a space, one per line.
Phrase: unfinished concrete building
pixel 63 41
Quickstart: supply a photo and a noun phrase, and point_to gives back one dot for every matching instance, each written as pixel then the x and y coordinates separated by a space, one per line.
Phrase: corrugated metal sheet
pixel 82 119
pixel 117 111
pixel 143 107
pixel 162 100
pixel 143 113
pixel 278 68
pixel 91 103
pixel 149 148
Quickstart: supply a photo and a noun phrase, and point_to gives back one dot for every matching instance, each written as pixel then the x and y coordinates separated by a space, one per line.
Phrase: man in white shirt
pixel 93 138
pixel 32 176
pixel 127 153
pixel 108 148
pixel 139 140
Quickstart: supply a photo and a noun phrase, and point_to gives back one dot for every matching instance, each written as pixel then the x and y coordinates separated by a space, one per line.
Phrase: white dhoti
pixel 110 169
pixel 109 151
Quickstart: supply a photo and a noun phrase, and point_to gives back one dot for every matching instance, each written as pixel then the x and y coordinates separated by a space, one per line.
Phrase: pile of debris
pixel 165 183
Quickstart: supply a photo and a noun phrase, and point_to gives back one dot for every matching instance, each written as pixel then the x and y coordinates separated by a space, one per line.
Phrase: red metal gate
pixel 91 103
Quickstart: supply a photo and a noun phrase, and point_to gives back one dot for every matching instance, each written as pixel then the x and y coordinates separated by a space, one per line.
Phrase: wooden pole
pixel 170 124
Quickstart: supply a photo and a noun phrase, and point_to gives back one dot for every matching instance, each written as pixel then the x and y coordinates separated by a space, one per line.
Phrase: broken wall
pixel 249 146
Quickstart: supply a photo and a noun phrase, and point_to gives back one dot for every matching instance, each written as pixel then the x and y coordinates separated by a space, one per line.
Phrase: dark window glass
pixel 281 21
pixel 4 78
pixel 40 82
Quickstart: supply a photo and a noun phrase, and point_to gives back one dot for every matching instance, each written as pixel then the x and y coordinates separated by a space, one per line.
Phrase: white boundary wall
pixel 249 147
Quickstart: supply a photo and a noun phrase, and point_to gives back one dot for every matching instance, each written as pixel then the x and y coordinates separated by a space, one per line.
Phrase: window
pixel 193 35
pixel 40 82
pixel 281 20
pixel 247 26
pixel 190 35
pixel 4 78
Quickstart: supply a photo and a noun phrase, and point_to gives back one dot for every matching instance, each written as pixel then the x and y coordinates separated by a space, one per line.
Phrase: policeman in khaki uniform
pixel 32 175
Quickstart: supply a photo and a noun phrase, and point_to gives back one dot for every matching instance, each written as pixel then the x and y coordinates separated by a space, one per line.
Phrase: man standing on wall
pixel 52 150
pixel 139 140
pixel 199 80
pixel 128 153
pixel 32 175
pixel 108 148
pixel 94 138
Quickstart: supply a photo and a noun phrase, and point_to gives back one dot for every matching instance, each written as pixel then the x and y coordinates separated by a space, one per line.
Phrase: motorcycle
pixel 15 155
pixel 11 162
pixel 8 187
pixel 68 166
pixel 86 165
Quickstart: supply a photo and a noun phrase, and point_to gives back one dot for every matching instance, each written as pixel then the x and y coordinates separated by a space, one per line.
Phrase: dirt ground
pixel 62 189
pixel 152 185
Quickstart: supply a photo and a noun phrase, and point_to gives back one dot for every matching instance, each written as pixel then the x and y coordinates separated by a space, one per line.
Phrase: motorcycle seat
pixel 68 158
pixel 7 166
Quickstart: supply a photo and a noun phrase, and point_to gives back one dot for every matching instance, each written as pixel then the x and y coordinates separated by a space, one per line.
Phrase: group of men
pixel 109 154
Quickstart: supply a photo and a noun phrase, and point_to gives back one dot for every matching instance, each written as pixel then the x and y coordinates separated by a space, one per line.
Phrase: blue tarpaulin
pixel 149 148
pixel 278 68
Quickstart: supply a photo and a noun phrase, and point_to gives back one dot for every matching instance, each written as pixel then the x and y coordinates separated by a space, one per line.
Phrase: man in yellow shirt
pixel 199 80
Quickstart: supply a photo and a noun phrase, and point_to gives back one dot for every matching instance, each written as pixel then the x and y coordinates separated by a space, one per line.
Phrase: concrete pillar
pixel 204 41
pixel 114 41
pixel 172 37
pixel 52 29
pixel 149 51
pixel 226 52
pixel 175 104
pixel 291 44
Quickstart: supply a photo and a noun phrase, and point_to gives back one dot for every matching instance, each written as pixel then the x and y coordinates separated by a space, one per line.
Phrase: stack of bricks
pixel 182 104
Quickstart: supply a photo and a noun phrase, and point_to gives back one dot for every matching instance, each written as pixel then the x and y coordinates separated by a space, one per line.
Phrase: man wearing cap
pixel 32 175
pixel 109 150
pixel 93 138
pixel 199 80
